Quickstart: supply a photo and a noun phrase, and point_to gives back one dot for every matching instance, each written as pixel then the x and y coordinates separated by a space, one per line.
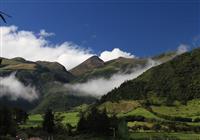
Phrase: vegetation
pixel 119 107
pixel 177 79
pixel 35 120
pixel 109 68
pixel 10 118
pixel 163 136
pixel 48 79
pixel 162 103
pixel 94 122
pixel 49 121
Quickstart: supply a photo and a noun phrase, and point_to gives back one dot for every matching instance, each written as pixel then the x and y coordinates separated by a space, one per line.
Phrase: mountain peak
pixel 94 59
pixel 87 65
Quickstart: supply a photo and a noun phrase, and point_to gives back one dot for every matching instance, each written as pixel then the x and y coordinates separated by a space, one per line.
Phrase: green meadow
pixel 35 120
pixel 152 126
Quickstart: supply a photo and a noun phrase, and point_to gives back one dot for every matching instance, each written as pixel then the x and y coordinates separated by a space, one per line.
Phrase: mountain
pixel 89 64
pixel 35 73
pixel 177 79
pixel 121 64
pixel 107 69
pixel 48 79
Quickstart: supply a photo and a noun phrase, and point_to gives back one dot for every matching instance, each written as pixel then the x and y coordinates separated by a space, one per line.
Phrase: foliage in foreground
pixel 98 122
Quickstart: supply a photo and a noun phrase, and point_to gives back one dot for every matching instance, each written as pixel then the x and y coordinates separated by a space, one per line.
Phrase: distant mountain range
pixel 49 78
pixel 94 67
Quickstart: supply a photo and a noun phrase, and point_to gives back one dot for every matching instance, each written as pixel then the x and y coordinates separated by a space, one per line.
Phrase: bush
pixel 98 122
pixel 156 127
pixel 135 118
pixel 49 121
pixel 94 122
pixel 122 131
pixel 196 120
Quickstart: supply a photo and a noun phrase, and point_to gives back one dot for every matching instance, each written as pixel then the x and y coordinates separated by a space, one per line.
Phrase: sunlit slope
pixel 35 73
pixel 178 79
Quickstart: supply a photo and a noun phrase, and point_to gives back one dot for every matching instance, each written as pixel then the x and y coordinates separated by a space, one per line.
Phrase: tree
pixel 48 123
pixel 82 124
pixel 7 123
pixel 114 124
pixel 58 120
pixel 94 122
pixel 122 131
pixel 20 115
pixel 69 129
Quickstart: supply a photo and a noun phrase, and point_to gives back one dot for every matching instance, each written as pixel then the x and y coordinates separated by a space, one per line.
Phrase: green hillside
pixel 35 73
pixel 48 79
pixel 178 79
pixel 60 98
pixel 109 68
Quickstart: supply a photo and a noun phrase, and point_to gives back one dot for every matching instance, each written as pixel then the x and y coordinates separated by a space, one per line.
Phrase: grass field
pixel 36 119
pixel 191 110
pixel 163 136
pixel 136 128
pixel 71 118
pixel 120 107
pixel 33 121
pixel 136 123
pixel 141 134
pixel 139 112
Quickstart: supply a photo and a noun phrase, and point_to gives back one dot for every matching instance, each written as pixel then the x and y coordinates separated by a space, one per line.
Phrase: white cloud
pixel 115 53
pixel 43 33
pixel 11 87
pixel 19 43
pixel 34 47
pixel 101 86
pixel 182 48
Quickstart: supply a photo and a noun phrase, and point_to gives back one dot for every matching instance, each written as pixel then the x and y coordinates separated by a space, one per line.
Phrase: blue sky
pixel 143 28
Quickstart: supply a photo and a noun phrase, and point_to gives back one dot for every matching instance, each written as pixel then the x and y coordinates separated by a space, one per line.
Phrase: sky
pixel 98 27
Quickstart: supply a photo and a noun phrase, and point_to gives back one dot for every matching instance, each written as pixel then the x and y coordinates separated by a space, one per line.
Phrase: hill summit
pixel 87 65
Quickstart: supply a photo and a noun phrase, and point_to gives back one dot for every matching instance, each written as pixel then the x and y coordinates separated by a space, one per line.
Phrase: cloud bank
pixel 14 89
pixel 35 46
pixel 101 86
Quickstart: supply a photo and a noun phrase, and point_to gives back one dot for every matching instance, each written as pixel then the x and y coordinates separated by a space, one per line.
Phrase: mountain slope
pixel 121 64
pixel 178 79
pixel 47 78
pixel 35 73
pixel 89 64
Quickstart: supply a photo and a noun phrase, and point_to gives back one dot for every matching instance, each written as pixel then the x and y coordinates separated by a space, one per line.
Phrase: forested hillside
pixel 178 79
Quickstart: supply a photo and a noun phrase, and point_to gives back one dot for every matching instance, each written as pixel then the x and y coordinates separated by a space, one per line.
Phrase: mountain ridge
pixel 177 79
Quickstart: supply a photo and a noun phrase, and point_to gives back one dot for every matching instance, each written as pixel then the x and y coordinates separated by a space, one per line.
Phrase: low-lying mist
pixel 11 87
pixel 100 86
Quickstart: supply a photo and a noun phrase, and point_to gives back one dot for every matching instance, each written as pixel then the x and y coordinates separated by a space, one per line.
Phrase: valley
pixel 161 103
pixel 99 69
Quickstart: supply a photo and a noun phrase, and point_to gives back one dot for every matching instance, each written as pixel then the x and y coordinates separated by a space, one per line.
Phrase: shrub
pixel 196 120
pixel 122 131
